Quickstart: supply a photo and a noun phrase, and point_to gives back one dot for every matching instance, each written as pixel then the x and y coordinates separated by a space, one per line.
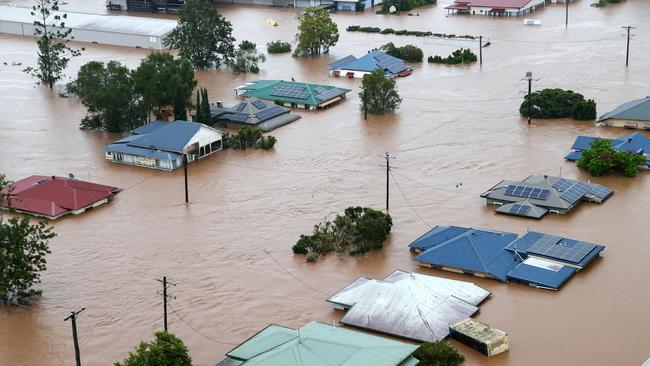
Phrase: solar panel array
pixel 265 114
pixel 575 192
pixel 290 91
pixel 518 209
pixel 240 107
pixel 320 89
pixel 329 94
pixel 553 247
pixel 527 192
pixel 600 191
pixel 237 117
pixel 259 104
pixel 562 184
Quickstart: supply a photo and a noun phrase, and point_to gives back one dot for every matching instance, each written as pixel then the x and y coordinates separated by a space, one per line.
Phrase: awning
pixel 333 100
pixel 498 10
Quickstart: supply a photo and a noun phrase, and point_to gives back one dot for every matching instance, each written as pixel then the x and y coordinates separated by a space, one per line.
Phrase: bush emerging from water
pixel 601 159
pixel 357 231
pixel 460 56
pixel 409 52
pixel 603 3
pixel 439 353
pixel 405 32
pixel 558 103
pixel 249 137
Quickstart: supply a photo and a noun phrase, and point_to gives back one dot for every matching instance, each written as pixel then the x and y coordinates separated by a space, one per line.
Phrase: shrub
pixel 460 56
pixel 557 103
pixel 248 137
pixel 585 110
pixel 278 47
pixel 407 53
pixel 438 353
pixel 601 159
pixel 353 28
pixel 266 142
pixel 387 31
pixel 246 58
pixel 165 350
pixel 370 29
pixel 360 6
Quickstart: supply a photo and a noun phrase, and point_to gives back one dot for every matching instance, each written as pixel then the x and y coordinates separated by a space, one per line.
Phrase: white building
pixel 495 7
pixel 126 31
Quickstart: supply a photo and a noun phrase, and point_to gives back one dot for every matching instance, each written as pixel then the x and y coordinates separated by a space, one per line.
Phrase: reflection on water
pixel 456 125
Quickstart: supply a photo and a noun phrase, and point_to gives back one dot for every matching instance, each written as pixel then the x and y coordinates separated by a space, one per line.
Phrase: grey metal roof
pixel 342 62
pixel 533 211
pixel 638 110
pixel 173 137
pixel 256 112
pixel 409 305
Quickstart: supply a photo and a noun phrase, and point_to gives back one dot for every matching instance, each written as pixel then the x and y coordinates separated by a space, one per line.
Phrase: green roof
pixel 291 91
pixel 320 344
pixel 638 110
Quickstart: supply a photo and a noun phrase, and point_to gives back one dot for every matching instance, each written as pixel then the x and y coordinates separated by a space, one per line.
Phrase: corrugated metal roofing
pixel 638 110
pixel 264 89
pixel 173 137
pixel 530 272
pixel 409 305
pixel 437 235
pixel 319 344
pixel 370 62
pixel 533 211
pixel 342 62
pixel 256 112
pixel 149 127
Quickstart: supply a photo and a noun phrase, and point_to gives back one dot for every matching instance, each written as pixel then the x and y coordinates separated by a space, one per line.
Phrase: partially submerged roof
pixel 637 110
pixel 635 142
pixel 495 3
pixel 548 192
pixel 370 62
pixel 319 344
pixel 408 305
pixel 522 208
pixel 53 197
pixel 256 112
pixel 292 92
pixel 536 259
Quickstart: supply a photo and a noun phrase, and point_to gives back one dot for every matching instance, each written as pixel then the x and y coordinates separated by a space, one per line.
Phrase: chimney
pixel 219 104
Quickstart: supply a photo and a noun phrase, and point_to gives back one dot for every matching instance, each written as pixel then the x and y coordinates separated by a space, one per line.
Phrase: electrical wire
pixel 292 275
pixel 554 42
pixel 198 331
pixel 409 202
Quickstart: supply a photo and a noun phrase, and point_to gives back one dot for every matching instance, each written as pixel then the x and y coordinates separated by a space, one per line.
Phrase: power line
pixel 409 202
pixel 292 275
pixel 553 42
pixel 198 331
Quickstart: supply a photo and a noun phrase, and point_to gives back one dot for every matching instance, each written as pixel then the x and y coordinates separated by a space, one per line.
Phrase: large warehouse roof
pixel 92 22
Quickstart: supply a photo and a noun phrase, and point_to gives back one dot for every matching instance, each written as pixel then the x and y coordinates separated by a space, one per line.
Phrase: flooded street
pixel 455 125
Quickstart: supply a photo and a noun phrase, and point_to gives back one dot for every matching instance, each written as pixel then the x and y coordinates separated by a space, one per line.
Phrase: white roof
pixel 409 305
pixel 103 23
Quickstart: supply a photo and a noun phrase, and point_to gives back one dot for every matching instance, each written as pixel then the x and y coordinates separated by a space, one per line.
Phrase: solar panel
pixel 259 104
pixel 527 192
pixel 562 184
pixel 270 112
pixel 237 117
pixel 600 191
pixel 556 247
pixel 329 94
pixel 518 209
pixel 320 89
pixel 290 91
pixel 576 192
pixel 240 107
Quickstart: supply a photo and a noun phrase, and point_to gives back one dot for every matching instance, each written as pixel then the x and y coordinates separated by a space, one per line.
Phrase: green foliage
pixel 317 32
pixel 404 32
pixel 357 231
pixel 203 114
pixel 202 35
pixel 360 6
pixel 278 47
pixel 601 159
pixel 249 137
pixel 108 93
pixel 165 350
pixel 164 81
pixel 246 58
pixel 408 53
pixel 52 38
pixel 23 248
pixel 378 93
pixel 460 56
pixel 558 103
pixel 439 353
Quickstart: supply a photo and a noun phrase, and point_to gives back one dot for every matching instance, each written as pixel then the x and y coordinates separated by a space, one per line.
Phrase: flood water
pixel 455 125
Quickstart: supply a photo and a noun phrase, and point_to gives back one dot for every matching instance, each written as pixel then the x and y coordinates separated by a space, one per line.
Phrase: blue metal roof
pixel 140 151
pixel 635 143
pixel 342 62
pixel 542 277
pixel 638 109
pixel 573 156
pixel 173 137
pixel 370 62
pixel 437 235
pixel 149 127
pixel 475 250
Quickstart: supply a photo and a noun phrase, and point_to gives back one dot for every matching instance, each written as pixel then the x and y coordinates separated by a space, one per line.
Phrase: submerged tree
pixel 165 350
pixel 439 353
pixel 203 35
pixel 52 38
pixel 601 159
pixel 558 103
pixel 108 93
pixel 203 113
pixel 247 58
pixel 378 93
pixel 23 247
pixel 317 32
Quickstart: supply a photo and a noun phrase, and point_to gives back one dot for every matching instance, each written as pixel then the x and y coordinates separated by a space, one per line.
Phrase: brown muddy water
pixel 456 125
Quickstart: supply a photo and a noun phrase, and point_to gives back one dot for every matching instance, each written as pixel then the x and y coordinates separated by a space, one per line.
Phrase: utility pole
pixel 388 158
pixel 529 78
pixel 480 50
pixel 566 22
pixel 187 197
pixel 165 297
pixel 73 318
pixel 627 50
pixel 365 104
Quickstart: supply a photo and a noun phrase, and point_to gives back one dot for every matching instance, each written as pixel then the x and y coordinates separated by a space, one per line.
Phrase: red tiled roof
pixel 496 3
pixel 55 196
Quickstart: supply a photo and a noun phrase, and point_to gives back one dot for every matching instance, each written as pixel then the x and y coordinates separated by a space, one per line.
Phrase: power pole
pixel 566 25
pixel 165 297
pixel 187 197
pixel 480 50
pixel 627 50
pixel 529 78
pixel 365 104
pixel 73 318
pixel 388 158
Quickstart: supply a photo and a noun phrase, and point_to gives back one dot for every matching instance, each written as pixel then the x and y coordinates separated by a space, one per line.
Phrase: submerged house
pixel 539 194
pixel 253 112
pixel 319 344
pixel 408 305
pixel 634 114
pixel 636 142
pixel 162 145
pixel 535 259
pixel 353 67
pixel 293 94
pixel 495 7
pixel 52 197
